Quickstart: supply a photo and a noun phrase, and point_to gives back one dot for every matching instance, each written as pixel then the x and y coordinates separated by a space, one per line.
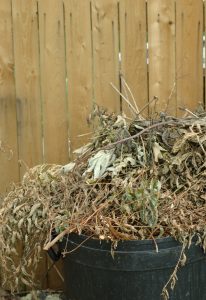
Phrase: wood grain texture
pixel 105 53
pixel 28 101
pixel 53 86
pixel 53 81
pixel 189 68
pixel 133 38
pixel 8 127
pixel 79 69
pixel 161 40
pixel 28 98
pixel 54 281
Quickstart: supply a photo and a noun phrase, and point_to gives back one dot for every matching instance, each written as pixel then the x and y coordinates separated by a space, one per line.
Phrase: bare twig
pixel 173 275
pixel 58 272
pixel 139 133
pixel 147 104
pixel 125 99
pixel 77 247
pixel 189 112
pixel 170 96
pixel 130 92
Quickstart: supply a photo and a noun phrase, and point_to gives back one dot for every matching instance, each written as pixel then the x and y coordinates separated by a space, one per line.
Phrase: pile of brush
pixel 142 179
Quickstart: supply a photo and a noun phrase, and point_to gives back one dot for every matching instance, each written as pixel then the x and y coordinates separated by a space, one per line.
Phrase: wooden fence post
pixel 189 60
pixel 8 123
pixel 161 39
pixel 27 79
pixel 133 46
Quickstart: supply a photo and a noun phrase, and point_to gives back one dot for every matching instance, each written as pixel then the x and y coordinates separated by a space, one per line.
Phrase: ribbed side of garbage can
pixel 135 272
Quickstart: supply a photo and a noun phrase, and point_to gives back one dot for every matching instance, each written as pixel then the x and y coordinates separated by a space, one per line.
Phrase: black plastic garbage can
pixel 137 271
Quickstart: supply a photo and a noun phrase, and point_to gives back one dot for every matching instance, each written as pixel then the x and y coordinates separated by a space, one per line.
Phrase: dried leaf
pixel 157 151
pixel 99 163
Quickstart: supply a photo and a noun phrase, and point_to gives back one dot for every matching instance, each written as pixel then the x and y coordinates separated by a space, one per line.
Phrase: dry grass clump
pixel 139 180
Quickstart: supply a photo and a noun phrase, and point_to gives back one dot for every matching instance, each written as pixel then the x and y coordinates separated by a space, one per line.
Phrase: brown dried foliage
pixel 147 187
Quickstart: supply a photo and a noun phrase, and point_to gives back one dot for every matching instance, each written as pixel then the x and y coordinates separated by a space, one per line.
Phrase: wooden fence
pixel 58 58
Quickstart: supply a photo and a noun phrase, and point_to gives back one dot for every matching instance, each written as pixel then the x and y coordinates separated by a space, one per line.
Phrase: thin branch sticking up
pixel 126 87
pixel 189 112
pixel 125 99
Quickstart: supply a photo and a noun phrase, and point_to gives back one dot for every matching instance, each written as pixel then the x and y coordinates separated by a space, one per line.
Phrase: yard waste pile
pixel 135 180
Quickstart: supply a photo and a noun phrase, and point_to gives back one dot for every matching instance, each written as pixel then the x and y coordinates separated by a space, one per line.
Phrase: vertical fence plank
pixel 53 85
pixel 161 36
pixel 133 36
pixel 189 35
pixel 106 53
pixel 26 53
pixel 28 100
pixel 79 68
pixel 8 127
